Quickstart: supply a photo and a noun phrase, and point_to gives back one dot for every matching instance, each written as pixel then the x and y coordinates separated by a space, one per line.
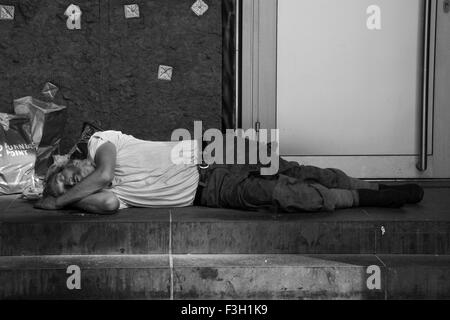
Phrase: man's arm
pixel 105 163
pixel 103 202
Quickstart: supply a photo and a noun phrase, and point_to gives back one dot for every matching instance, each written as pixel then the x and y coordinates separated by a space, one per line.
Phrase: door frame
pixel 259 63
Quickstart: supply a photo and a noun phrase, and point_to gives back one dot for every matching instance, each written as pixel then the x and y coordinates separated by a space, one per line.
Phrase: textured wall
pixel 107 71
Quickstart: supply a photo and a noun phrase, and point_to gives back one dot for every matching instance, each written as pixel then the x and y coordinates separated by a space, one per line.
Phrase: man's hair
pixel 49 182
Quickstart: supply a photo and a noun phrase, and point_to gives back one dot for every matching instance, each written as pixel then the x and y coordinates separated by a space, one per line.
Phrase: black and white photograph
pixel 223 155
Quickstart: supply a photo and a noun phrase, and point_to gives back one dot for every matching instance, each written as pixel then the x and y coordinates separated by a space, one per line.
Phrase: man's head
pixel 62 178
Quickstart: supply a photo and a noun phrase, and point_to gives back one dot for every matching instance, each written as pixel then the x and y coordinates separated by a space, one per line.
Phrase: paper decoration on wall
pixel 165 73
pixel 6 12
pixel 131 11
pixel 73 13
pixel 50 90
pixel 199 7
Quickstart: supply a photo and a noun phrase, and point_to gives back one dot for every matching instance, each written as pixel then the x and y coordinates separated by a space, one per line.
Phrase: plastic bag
pixel 17 154
pixel 47 126
pixel 79 150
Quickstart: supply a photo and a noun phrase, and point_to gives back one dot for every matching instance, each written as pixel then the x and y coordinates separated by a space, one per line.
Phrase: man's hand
pixel 101 178
pixel 47 203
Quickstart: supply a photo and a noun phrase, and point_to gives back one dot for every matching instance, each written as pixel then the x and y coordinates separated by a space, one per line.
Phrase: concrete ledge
pixel 102 277
pixel 270 277
pixel 226 277
pixel 414 229
pixel 272 237
pixel 54 238
pixel 417 277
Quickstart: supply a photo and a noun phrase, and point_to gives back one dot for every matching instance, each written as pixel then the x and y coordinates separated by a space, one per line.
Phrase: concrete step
pixel 210 231
pixel 354 231
pixel 226 277
pixel 27 231
pixel 414 229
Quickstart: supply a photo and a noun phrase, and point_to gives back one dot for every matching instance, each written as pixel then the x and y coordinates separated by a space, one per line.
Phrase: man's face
pixel 71 175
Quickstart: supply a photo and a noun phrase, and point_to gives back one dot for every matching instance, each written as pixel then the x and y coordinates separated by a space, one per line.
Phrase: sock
pixel 384 198
pixel 413 191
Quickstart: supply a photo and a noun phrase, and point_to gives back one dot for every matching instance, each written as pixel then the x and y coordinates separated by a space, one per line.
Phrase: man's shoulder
pixel 107 135
pixel 101 137
pixel 107 132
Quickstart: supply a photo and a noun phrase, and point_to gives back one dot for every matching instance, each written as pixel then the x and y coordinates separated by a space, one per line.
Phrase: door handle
pixel 422 165
pixel 446 6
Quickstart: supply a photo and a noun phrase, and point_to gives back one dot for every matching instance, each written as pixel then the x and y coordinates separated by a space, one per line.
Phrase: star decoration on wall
pixel 50 90
pixel 165 73
pixel 6 12
pixel 199 7
pixel 131 11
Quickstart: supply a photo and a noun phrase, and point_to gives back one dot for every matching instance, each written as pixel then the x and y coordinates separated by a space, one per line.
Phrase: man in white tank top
pixel 122 171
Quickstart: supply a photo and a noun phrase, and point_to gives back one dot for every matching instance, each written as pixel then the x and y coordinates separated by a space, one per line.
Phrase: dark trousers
pixel 295 189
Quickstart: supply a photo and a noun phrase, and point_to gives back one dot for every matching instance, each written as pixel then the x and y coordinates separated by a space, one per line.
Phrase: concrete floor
pixel 434 207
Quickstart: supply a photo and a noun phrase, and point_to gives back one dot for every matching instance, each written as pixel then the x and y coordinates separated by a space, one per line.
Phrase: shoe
pixel 383 198
pixel 414 192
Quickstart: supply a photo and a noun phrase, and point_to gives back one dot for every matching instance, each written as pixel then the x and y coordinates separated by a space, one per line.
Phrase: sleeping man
pixel 122 171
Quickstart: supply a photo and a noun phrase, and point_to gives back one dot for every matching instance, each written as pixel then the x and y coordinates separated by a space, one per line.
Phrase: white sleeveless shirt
pixel 145 173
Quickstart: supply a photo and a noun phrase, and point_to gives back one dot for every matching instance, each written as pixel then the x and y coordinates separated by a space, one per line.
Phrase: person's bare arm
pixel 105 162
pixel 103 202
